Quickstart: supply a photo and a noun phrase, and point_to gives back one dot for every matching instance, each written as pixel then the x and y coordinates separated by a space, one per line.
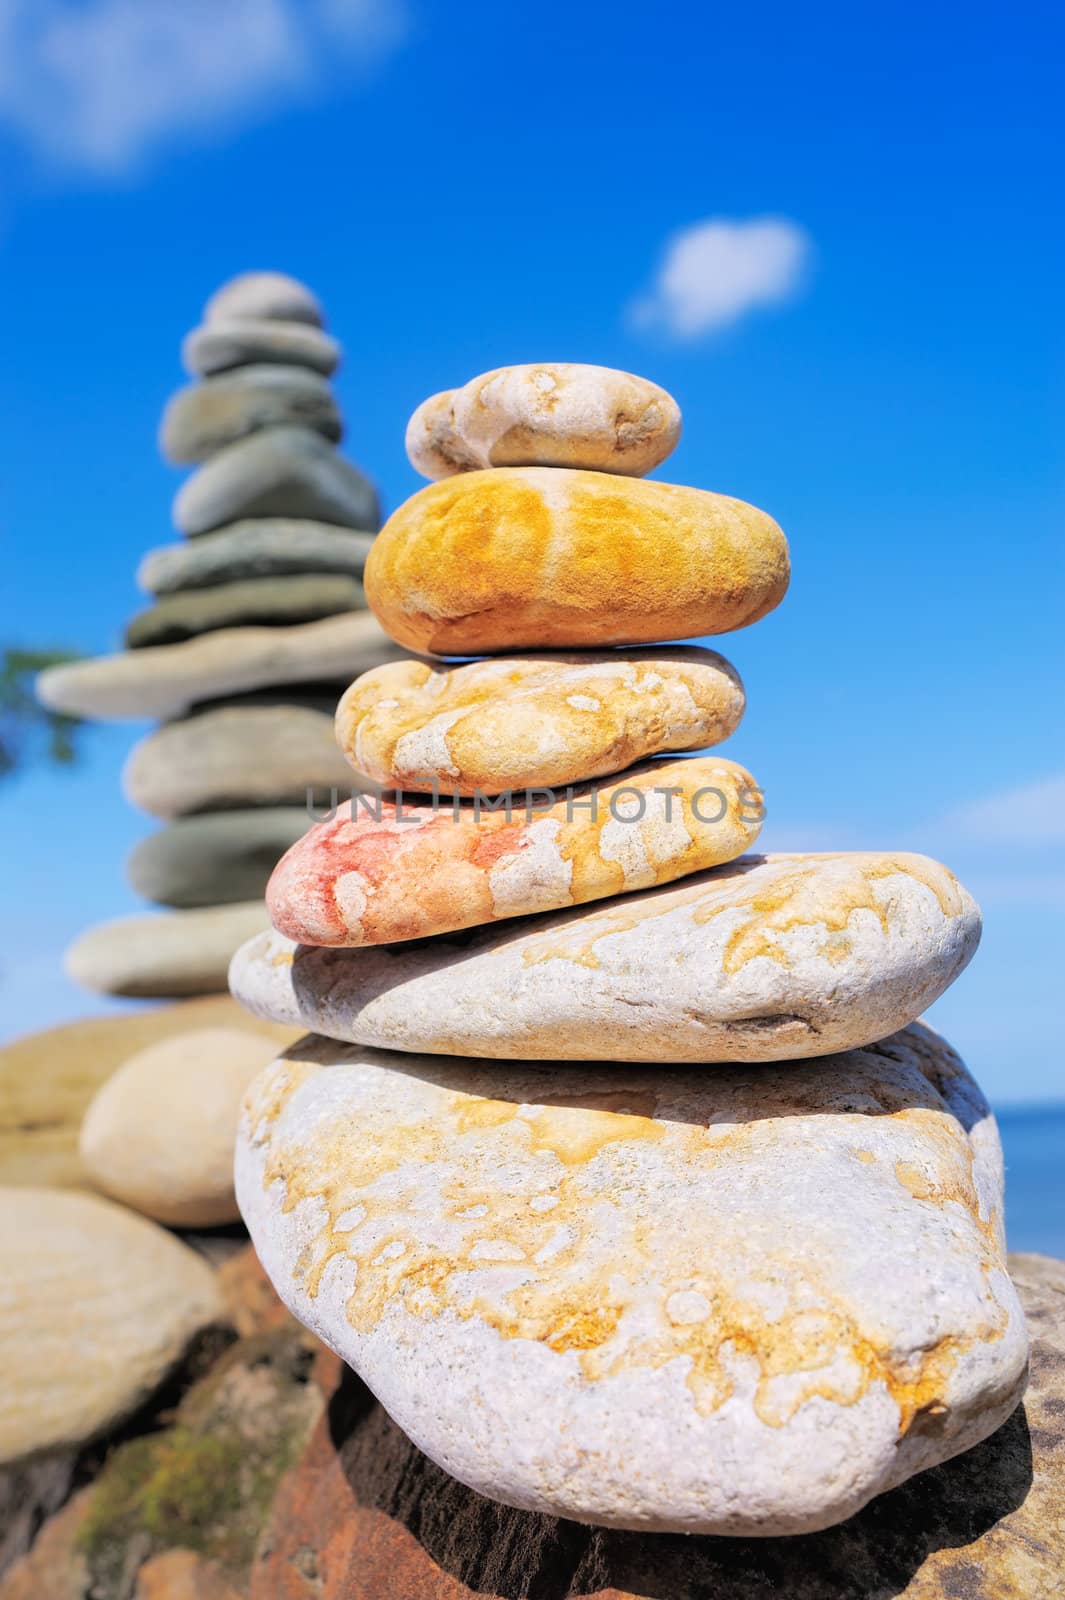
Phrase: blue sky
pixel 881 368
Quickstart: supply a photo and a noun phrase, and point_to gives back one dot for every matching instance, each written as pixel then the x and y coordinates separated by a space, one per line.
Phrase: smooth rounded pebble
pixel 387 873
pixel 167 680
pixel 270 602
pixel 279 472
pixel 547 414
pixel 216 857
pixel 232 342
pixel 766 958
pixel 270 547
pixel 164 955
pixel 47 1079
pixel 538 557
pixel 235 755
pixel 159 1134
pixel 205 417
pixel 96 1306
pixel 273 295
pixel 519 722
pixel 787 1286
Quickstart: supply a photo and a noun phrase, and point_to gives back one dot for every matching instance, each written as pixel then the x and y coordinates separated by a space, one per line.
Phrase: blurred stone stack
pixel 257 622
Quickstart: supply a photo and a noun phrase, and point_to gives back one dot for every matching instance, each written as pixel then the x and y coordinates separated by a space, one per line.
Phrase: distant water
pixel 1033 1140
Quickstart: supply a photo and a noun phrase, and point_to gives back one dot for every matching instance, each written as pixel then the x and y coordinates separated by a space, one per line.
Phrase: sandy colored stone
pixel 207 416
pixel 158 1136
pixel 274 602
pixel 164 955
pixel 216 857
pixel 516 723
pixel 182 1575
pixel 96 1305
pixel 789 1285
pixel 539 557
pixel 273 295
pixel 165 681
pixel 547 414
pixel 235 342
pixel 235 755
pixel 767 958
pixel 48 1078
pixel 387 873
pixel 272 547
pixel 282 471
pixel 365 1514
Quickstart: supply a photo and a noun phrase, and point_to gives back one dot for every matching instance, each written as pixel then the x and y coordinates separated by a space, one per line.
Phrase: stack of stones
pixel 658 1213
pixel 257 620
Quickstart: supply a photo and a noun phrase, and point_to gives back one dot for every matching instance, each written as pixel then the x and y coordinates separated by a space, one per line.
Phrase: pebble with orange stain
pixel 401 871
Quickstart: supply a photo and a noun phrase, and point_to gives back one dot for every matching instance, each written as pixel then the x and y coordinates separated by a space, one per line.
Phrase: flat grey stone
pixel 280 472
pixel 264 294
pixel 166 680
pixel 215 858
pixel 272 547
pixel 235 756
pixel 163 955
pixel 271 601
pixel 203 418
pixel 239 341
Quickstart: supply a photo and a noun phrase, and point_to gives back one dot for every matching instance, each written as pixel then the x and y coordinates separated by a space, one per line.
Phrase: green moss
pixel 206 1482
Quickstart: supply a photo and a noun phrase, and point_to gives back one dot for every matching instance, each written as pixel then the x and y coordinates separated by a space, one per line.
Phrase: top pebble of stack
pixel 541 534
pixel 273 295
pixel 555 414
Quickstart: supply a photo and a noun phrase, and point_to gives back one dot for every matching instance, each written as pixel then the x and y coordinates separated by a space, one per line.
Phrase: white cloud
pixel 101 84
pixel 717 271
pixel 1030 814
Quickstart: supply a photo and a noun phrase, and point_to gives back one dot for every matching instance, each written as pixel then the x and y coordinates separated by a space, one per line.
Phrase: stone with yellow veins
pixel 547 414
pixel 519 722
pixel 390 872
pixel 545 557
pixel 767 958
pixel 96 1306
pixel 736 1302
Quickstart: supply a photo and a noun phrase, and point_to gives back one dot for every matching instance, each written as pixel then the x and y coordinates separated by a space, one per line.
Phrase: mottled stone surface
pixel 207 416
pixel 273 295
pixel 165 955
pixel 391 873
pixel 215 857
pixel 158 1136
pixel 280 472
pixel 165 681
pixel 272 547
pixel 96 1305
pixel 234 756
pixel 519 722
pixel 787 1284
pixel 538 557
pixel 273 602
pixel 224 344
pixel 547 414
pixel 767 958
pixel 48 1078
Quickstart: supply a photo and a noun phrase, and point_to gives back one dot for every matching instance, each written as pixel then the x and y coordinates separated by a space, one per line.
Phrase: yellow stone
pixel 537 557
